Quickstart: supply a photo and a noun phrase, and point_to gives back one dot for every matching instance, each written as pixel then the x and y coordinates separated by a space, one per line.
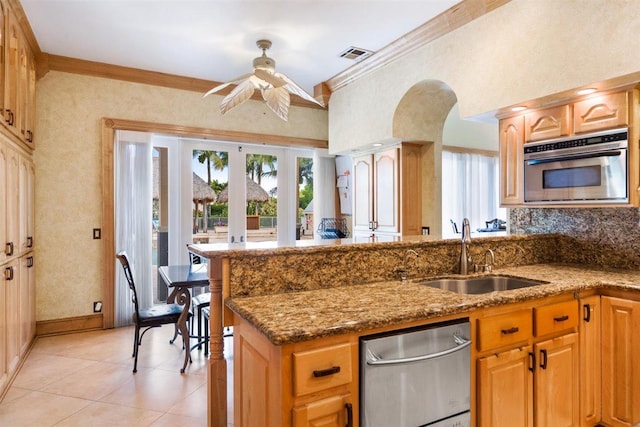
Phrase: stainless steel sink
pixel 481 285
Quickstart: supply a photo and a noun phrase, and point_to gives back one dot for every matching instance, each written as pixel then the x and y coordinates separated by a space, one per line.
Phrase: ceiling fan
pixel 275 87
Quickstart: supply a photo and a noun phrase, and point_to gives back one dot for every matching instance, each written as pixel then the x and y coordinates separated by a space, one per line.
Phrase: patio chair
pixel 148 318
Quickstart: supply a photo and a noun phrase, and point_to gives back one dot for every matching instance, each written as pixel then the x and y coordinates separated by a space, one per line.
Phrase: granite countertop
pixel 300 316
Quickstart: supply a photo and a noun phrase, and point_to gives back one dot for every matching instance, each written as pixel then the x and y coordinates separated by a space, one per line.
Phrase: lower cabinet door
pixel 590 361
pixel 620 373
pixel 556 384
pixel 505 389
pixel 335 411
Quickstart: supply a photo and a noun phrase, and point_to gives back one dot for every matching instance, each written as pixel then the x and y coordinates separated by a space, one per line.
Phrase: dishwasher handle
pixel 374 360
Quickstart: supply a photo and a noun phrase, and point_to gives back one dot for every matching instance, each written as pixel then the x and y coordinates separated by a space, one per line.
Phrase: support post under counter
pixel 217 369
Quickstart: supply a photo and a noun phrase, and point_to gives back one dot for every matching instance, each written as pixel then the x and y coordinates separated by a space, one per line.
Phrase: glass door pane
pixel 210 196
pixel 305 224
pixel 261 197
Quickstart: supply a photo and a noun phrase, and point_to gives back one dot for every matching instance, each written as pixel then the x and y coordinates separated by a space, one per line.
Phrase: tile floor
pixel 86 379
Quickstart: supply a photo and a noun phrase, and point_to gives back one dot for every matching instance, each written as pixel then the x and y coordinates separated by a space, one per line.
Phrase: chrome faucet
pixel 403 272
pixel 465 258
pixel 489 260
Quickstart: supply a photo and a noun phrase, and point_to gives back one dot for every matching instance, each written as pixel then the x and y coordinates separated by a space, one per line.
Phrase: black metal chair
pixel 148 318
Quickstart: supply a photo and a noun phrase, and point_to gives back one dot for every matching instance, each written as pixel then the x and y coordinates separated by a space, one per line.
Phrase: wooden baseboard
pixel 69 324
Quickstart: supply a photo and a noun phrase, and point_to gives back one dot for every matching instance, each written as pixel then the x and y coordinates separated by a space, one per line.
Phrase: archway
pixel 420 116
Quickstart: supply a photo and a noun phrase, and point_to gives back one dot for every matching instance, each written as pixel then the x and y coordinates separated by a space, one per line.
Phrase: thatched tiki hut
pixel 202 194
pixel 255 193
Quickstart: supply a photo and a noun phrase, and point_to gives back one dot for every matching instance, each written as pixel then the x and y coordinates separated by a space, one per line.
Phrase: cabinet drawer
pixel 555 317
pixel 320 369
pixel 504 329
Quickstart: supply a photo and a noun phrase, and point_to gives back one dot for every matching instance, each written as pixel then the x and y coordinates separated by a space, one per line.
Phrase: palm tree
pixel 261 165
pixel 218 159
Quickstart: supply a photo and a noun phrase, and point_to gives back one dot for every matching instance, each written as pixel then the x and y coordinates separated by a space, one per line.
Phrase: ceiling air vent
pixel 356 53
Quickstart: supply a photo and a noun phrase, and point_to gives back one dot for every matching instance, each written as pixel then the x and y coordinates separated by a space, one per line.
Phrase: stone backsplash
pixel 604 237
pixel 355 264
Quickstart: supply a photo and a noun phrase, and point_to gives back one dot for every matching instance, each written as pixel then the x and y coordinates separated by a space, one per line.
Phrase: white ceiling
pixel 215 39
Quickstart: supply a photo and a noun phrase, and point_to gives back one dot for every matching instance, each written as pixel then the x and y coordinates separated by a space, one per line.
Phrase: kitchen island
pixel 289 301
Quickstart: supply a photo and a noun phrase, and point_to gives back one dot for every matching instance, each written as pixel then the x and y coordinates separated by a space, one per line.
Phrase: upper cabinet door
pixel 511 161
pixel 386 188
pixel 363 193
pixel 548 123
pixel 601 112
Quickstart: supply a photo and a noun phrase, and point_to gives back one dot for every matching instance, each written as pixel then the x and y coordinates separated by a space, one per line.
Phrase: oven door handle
pixel 577 157
pixel 375 360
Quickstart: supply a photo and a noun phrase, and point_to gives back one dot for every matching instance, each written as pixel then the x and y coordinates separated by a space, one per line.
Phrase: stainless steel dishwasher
pixel 416 377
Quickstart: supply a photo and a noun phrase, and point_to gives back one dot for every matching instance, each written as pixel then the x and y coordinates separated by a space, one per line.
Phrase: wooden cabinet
pixel 505 389
pixel 304 384
pixel 26 203
pixel 511 161
pixel 620 372
pixel 17 79
pixel 518 386
pixel 590 361
pixel 601 112
pixel 591 114
pixel 556 382
pixel 547 123
pixel 17 296
pixel 387 191
pixel 11 285
pixel 27 297
pixel 335 411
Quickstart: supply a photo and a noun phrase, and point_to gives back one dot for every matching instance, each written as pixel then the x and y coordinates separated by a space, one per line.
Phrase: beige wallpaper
pixel 68 169
pixel 523 50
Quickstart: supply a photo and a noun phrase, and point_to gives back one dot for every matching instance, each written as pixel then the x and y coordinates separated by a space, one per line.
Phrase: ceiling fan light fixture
pixel 274 87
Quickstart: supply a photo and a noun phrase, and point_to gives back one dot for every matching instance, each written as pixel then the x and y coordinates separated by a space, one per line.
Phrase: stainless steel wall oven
pixel 578 169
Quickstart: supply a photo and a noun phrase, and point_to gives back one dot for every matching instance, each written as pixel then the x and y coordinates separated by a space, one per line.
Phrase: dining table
pixel 180 279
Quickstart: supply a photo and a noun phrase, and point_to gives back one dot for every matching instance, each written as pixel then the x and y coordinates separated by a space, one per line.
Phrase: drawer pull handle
pixel 8 273
pixel 561 318
pixel 8 249
pixel 349 409
pixel 543 359
pixel 532 361
pixel 326 372
pixel 587 312
pixel 510 330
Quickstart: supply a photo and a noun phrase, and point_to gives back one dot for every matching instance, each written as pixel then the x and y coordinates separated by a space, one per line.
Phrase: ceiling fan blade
pixel 238 95
pixel 222 86
pixel 292 87
pixel 274 80
pixel 278 100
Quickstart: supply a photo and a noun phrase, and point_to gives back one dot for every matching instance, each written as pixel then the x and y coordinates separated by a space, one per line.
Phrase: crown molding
pixel 448 21
pixel 47 62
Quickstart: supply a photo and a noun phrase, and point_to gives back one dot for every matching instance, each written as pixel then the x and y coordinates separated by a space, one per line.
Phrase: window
pixel 469 190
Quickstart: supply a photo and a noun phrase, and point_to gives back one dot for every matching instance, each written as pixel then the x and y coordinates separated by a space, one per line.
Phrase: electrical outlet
pixel 97 306
pixel 97 233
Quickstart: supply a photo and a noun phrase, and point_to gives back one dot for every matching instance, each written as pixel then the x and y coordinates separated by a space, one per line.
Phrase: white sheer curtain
pixel 469 190
pixel 133 200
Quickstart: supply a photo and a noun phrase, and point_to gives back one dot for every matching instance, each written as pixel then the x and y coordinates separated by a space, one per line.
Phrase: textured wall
pixel 523 50
pixel 606 237
pixel 69 169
